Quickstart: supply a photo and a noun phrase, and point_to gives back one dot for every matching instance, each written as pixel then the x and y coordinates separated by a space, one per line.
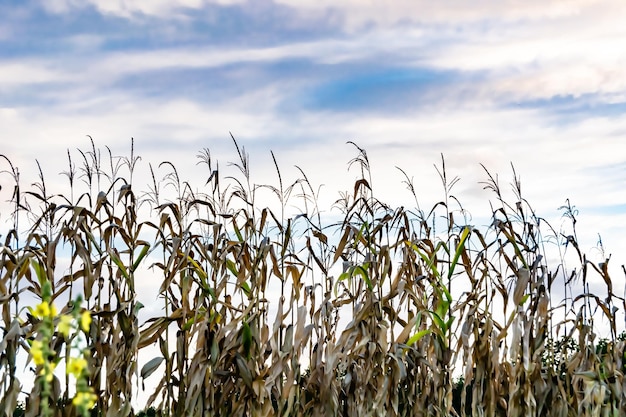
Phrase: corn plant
pixel 270 305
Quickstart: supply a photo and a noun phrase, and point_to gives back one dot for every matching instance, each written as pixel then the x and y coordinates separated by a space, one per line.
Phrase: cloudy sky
pixel 540 85
pixel 537 84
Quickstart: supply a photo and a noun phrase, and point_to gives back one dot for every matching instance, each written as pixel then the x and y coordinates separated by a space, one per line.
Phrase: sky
pixel 540 85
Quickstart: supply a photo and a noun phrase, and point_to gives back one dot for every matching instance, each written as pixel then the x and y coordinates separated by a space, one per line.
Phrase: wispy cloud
pixel 534 83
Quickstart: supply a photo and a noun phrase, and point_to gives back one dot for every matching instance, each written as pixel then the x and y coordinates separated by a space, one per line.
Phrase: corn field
pixel 379 311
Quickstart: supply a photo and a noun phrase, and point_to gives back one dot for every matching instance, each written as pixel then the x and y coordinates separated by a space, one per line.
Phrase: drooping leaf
pixel 151 366
pixel 246 339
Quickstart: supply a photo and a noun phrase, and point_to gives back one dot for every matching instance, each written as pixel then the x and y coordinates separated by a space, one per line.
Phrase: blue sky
pixel 538 84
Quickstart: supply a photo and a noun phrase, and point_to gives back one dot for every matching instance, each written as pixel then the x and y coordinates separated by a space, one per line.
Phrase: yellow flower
pixel 85 400
pixel 76 366
pixel 85 321
pixel 36 351
pixel 65 325
pixel 48 371
pixel 42 310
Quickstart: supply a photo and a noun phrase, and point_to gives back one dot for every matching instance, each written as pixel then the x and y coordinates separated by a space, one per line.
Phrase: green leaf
pixel 94 242
pixel 459 250
pixel 237 231
pixel 119 264
pixel 232 267
pixel 442 308
pixel 203 275
pixel 441 325
pixel 138 306
pixel 429 262
pixel 524 299
pixel 188 324
pixel 516 248
pixel 344 275
pixel 42 277
pixel 142 254
pixel 359 235
pixel 246 288
pixel 360 270
pixel 417 336
pixel 447 294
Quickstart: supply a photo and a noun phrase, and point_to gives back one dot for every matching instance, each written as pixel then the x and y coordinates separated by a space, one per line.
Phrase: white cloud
pixel 130 8
pixel 28 72
pixel 362 13
pixel 569 56
pixel 359 14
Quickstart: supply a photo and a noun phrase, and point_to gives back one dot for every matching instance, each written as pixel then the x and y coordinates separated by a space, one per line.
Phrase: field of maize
pixel 359 309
